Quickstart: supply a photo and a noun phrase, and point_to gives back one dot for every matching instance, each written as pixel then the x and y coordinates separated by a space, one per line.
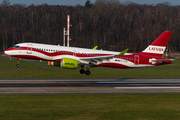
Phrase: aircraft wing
pixel 95 60
pixel 87 60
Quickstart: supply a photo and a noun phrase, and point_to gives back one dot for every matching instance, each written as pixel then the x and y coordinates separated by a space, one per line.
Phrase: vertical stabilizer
pixel 158 47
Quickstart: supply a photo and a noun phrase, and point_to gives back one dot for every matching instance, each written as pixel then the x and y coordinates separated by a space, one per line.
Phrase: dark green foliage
pixel 88 4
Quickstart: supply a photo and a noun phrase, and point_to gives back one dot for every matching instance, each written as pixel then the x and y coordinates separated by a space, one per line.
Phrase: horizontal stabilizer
pixel 153 61
pixel 159 61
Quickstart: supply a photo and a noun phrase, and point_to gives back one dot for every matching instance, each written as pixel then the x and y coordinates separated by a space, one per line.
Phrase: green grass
pixel 98 106
pixel 29 70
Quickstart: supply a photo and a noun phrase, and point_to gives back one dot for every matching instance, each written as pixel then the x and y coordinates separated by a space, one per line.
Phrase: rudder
pixel 158 47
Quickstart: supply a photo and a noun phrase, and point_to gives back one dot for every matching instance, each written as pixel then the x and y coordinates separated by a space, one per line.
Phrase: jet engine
pixel 69 63
pixel 65 63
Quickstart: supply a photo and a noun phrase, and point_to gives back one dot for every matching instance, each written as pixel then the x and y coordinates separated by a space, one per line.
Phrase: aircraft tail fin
pixel 158 47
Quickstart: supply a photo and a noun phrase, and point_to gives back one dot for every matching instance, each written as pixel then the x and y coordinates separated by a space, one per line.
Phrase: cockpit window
pixel 15 47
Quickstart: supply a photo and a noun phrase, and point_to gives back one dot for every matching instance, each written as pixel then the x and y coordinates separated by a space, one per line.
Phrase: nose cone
pixel 7 52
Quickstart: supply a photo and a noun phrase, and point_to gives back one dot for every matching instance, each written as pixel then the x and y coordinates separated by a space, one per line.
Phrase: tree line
pixel 109 24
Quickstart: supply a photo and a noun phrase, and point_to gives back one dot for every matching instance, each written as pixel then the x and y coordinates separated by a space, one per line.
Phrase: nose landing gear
pixel 18 65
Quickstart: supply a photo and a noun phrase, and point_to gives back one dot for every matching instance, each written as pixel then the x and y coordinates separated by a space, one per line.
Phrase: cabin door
pixel 29 48
pixel 136 59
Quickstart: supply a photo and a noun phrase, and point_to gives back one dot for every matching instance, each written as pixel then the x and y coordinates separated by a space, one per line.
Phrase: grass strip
pixel 91 106
pixel 8 69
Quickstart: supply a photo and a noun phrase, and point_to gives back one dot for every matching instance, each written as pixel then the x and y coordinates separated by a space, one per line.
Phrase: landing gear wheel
pixel 82 71
pixel 87 72
pixel 18 65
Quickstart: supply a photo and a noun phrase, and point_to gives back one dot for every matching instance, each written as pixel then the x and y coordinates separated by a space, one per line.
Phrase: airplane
pixel 74 57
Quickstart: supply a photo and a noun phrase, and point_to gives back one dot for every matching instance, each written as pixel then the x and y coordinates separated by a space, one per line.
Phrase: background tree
pixel 88 4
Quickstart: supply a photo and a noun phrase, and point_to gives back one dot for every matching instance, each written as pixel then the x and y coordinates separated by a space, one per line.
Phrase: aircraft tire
pixel 87 72
pixel 18 65
pixel 82 71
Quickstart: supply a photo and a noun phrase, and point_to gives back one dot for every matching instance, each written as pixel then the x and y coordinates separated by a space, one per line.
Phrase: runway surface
pixel 89 86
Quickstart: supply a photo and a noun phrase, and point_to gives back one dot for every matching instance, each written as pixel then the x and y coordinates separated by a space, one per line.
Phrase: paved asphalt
pixel 89 86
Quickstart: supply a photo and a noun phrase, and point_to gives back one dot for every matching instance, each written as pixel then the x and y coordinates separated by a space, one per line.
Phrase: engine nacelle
pixel 69 63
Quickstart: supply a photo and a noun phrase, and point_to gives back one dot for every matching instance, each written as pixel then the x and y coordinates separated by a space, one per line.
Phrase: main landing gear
pixel 82 71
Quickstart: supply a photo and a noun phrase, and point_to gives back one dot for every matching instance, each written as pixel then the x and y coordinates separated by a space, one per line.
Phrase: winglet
pixel 95 47
pixel 123 52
